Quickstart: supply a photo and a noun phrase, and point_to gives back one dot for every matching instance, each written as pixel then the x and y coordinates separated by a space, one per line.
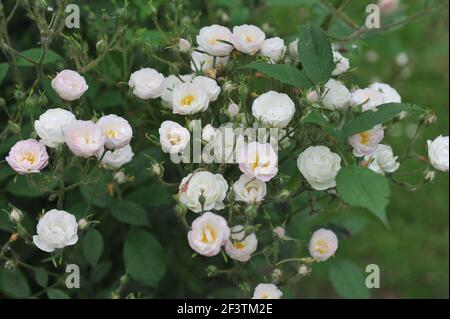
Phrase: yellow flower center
pixel 265 296
pixel 322 246
pixel 187 100
pixel 239 245
pixel 248 38
pixel 174 139
pixel 364 137
pixel 29 157
pixel 209 235
pixel 212 41
pixel 111 134
pixel 257 163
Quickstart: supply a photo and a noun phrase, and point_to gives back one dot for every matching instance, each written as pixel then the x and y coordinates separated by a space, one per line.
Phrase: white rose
pixel 341 62
pixel 383 160
pixel 172 81
pixel 50 126
pixel 249 190
pixel 293 48
pixel 323 244
pixel 222 148
pixel 116 158
pixel 69 85
pixel 240 247
pixel 55 230
pixel 258 160
pixel 203 186
pixel 147 83
pixel 211 38
pixel 209 86
pixel 273 48
pixel 116 129
pixel 248 38
pixel 184 45
pixel 368 99
pixel 173 137
pixel 202 61
pixel 267 291
pixel 84 138
pixel 438 153
pixel 390 95
pixel 208 234
pixel 188 98
pixel 335 95
pixel 208 133
pixel 365 143
pixel 273 109
pixel 319 166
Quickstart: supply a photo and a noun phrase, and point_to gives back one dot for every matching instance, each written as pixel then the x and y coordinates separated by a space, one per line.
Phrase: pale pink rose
pixel 84 138
pixel 366 143
pixel 69 85
pixel 28 156
pixel 259 161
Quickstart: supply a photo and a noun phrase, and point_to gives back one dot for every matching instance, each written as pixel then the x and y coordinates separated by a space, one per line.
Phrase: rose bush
pixel 187 151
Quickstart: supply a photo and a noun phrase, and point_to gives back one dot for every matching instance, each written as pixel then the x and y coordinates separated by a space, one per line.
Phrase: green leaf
pixel 361 187
pixel 92 246
pixel 14 283
pixel 4 67
pixel 315 53
pixel 239 15
pixel 109 99
pixel 41 277
pixel 20 187
pixel 369 119
pixel 6 171
pixel 152 37
pixel 348 279
pixel 145 260
pixel 57 294
pixel 130 213
pixel 284 73
pixel 314 117
pixel 35 54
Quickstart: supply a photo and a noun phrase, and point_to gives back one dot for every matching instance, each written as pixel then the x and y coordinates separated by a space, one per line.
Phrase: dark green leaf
pixel 314 117
pixel 41 277
pixel 348 279
pixel 130 213
pixel 35 54
pixel 93 246
pixel 285 73
pixel 4 67
pixel 145 260
pixel 369 119
pixel 361 187
pixel 14 283
pixel 315 53
pixel 57 294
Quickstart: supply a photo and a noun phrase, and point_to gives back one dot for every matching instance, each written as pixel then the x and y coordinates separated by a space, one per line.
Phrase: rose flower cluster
pixel 107 140
pixel 205 192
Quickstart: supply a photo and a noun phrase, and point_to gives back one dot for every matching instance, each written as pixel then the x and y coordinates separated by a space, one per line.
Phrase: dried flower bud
pixel 277 275
pixel 120 177
pixel 233 110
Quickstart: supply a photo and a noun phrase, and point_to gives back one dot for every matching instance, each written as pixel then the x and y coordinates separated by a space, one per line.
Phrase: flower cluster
pixel 213 89
pixel 106 139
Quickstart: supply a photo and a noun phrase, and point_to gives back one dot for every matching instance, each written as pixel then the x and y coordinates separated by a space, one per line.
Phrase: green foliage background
pixel 413 255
